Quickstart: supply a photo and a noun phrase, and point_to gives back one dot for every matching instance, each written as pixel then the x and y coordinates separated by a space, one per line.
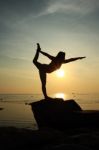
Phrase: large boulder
pixel 60 114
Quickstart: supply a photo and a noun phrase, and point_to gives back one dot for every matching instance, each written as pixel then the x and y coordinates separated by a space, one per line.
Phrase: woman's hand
pixel 82 57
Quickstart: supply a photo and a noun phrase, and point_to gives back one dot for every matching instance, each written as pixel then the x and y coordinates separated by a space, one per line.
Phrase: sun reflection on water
pixel 60 95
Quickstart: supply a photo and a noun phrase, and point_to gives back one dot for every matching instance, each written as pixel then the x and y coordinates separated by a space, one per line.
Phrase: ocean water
pixel 16 111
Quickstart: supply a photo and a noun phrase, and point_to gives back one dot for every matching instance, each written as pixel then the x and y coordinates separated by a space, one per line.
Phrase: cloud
pixel 19 14
pixel 81 7
pixel 15 10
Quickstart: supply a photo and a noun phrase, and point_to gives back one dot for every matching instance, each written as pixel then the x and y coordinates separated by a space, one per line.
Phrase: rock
pixel 63 115
pixel 1 108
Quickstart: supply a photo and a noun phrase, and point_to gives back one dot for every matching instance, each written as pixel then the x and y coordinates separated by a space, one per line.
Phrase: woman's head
pixel 61 56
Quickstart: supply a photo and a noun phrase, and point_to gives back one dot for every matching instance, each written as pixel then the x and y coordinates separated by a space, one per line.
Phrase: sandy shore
pixel 49 139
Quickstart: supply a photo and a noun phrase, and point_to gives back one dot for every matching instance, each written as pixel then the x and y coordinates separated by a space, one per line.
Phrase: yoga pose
pixel 55 64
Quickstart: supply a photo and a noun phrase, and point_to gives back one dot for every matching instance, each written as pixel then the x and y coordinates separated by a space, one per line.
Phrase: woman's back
pixel 54 65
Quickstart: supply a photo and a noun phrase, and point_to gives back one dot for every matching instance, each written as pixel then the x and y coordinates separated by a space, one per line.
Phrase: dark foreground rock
pixel 63 115
pixel 1 108
pixel 63 125
pixel 48 139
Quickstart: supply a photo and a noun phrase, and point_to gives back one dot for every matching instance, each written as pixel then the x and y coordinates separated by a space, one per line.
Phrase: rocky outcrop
pixel 63 115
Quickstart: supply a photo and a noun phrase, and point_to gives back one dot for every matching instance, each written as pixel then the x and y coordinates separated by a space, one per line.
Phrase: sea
pixel 15 110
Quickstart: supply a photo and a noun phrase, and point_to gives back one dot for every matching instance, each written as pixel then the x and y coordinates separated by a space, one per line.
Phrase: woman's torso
pixel 54 65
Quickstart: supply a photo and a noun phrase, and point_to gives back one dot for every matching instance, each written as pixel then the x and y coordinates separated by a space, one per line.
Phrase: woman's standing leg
pixel 42 71
pixel 43 81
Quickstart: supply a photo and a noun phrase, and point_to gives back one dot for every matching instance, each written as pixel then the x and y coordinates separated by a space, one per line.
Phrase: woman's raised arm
pixel 46 54
pixel 73 59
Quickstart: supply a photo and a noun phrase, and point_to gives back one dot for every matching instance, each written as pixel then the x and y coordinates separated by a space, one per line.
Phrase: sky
pixel 71 26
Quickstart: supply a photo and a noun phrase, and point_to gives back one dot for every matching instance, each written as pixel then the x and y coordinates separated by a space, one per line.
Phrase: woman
pixel 55 64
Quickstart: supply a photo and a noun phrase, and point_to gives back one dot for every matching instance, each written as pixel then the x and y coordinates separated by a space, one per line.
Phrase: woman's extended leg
pixel 43 81
pixel 36 55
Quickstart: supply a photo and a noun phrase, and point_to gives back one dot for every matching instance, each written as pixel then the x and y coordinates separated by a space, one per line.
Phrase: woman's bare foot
pixel 38 47
pixel 48 98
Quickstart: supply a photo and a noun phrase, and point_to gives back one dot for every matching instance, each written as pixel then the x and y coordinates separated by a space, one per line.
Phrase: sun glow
pixel 60 73
pixel 60 95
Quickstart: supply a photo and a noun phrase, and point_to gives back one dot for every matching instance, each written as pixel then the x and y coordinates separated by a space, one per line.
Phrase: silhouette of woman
pixel 55 64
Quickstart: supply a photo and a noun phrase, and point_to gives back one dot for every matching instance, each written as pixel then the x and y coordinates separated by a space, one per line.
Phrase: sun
pixel 60 73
